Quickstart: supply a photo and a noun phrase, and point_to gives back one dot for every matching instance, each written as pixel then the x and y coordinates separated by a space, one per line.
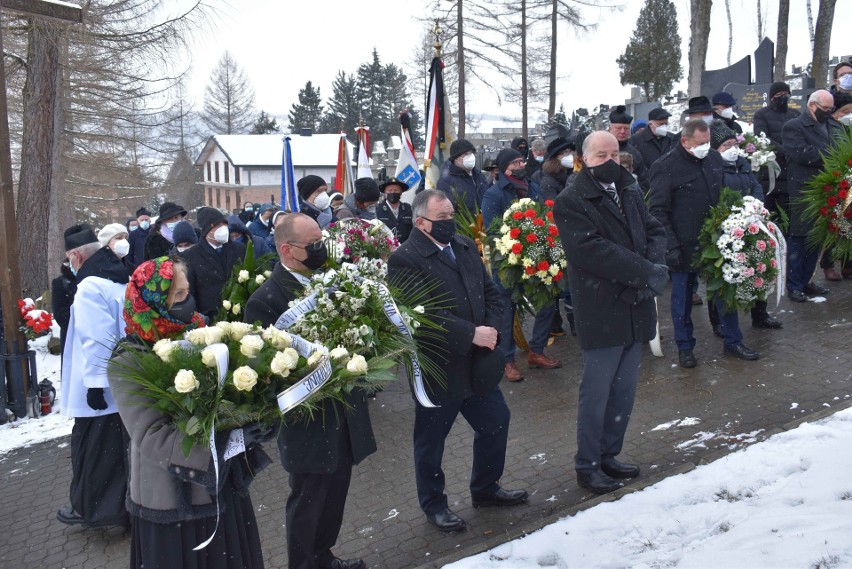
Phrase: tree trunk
pixel 551 104
pixel 730 30
pixel 460 65
pixel 61 207
pixel 761 23
pixel 699 28
pixel 41 99
pixel 822 43
pixel 810 22
pixel 781 40
pixel 524 105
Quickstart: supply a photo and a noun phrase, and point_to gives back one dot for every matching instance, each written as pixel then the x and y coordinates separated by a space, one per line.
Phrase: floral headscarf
pixel 145 310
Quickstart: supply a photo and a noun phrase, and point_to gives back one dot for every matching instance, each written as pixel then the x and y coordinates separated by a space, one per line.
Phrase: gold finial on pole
pixel 437 32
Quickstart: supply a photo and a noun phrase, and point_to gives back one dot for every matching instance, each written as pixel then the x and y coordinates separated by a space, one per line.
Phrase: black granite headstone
pixel 751 98
pixel 642 109
pixel 715 80
pixel 764 62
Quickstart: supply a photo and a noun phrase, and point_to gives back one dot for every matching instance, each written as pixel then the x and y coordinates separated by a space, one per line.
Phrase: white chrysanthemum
pixel 315 357
pixel 514 259
pixel 185 381
pixel 245 378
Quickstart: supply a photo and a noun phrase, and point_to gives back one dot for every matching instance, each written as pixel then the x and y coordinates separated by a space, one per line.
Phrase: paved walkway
pixel 724 404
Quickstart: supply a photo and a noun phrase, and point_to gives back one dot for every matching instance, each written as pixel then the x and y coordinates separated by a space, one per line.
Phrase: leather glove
pixel 95 398
pixel 659 279
pixel 674 259
pixel 255 433
pixel 644 294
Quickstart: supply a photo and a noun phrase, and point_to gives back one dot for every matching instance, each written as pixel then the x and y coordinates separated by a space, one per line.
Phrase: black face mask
pixel 608 172
pixel 183 311
pixel 392 198
pixel 317 254
pixel 443 230
pixel 821 115
pixel 781 103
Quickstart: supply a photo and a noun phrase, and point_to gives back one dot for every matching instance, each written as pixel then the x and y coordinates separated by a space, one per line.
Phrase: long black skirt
pixel 236 544
pixel 100 472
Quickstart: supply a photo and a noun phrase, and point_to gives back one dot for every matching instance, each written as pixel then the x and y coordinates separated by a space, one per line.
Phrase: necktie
pixel 450 254
pixel 613 193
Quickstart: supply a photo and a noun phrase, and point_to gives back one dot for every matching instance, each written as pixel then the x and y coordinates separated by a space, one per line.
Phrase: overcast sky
pixel 282 45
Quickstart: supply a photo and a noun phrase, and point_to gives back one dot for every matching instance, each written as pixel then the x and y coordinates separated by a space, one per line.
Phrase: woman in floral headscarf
pixel 176 502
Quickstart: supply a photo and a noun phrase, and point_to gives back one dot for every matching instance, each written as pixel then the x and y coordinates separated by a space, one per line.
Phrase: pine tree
pixel 308 111
pixel 265 124
pixel 652 58
pixel 372 89
pixel 397 101
pixel 342 108
pixel 228 99
pixel 559 117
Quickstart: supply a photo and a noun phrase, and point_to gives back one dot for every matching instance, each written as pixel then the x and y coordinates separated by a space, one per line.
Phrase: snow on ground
pixel 25 432
pixel 784 502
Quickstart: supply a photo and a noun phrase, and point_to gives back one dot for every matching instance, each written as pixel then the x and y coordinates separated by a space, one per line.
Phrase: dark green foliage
pixel 265 124
pixel 308 111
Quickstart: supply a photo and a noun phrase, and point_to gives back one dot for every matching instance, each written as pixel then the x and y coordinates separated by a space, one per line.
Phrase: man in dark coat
pixel 770 120
pixel 261 225
pixel 62 290
pixel 138 236
pixel 241 234
pixel 362 202
pixel 318 454
pixel 393 212
pixel 460 179
pixel 160 239
pixel 619 127
pixel 211 262
pixel 723 110
pixel 314 199
pixel 557 167
pixel 656 140
pixel 806 139
pixel 615 250
pixel 685 184
pixel 435 254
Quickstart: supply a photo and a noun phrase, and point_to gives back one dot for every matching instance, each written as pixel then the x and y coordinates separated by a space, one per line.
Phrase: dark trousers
pixel 488 416
pixel 607 391
pixel 541 326
pixel 759 313
pixel 314 515
pixel 801 263
pixel 683 285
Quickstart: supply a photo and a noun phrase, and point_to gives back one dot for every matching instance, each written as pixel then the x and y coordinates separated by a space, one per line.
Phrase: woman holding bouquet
pixel 176 502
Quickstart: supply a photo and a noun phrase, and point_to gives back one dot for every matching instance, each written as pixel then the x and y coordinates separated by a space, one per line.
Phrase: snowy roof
pixel 266 149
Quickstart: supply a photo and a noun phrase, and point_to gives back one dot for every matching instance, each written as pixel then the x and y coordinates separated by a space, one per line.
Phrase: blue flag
pixel 289 195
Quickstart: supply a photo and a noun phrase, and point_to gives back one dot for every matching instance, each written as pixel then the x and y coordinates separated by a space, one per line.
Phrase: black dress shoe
pixel 767 323
pixel 815 289
pixel 741 352
pixel 347 564
pixel 717 330
pixel 447 521
pixel 616 469
pixel 500 498
pixel 68 515
pixel 686 358
pixel 596 481
pixel 797 296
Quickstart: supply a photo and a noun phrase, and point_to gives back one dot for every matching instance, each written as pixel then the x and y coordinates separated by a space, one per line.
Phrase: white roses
pixel 339 353
pixel 245 378
pixel 284 362
pixel 243 276
pixel 185 381
pixel 357 364
pixel 250 345
pixel 164 348
pixel 278 339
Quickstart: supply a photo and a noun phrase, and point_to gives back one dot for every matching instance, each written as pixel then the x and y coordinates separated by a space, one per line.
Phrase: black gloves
pixel 254 433
pixel 644 294
pixel 95 398
pixel 658 280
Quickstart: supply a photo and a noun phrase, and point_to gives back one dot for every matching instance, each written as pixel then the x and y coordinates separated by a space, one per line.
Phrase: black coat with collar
pixel 683 189
pixel 473 301
pixel 611 254
pixel 651 146
pixel 805 144
pixel 401 224
pixel 209 271
pixel 313 447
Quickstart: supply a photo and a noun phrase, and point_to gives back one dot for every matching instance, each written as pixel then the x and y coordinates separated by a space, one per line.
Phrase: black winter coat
pixel 771 121
pixel 639 166
pixel 740 177
pixel 456 183
pixel 312 447
pixel 137 239
pixel 209 271
pixel 651 146
pixel 62 290
pixel 156 245
pixel 473 301
pixel 611 254
pixel 683 189
pixel 552 185
pixel 730 123
pixel 805 144
pixel 401 224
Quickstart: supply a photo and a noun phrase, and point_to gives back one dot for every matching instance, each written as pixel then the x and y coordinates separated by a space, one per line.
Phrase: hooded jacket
pixel 257 227
pixel 236 225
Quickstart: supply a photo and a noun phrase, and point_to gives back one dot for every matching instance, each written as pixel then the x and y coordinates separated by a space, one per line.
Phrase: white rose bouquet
pixel 246 278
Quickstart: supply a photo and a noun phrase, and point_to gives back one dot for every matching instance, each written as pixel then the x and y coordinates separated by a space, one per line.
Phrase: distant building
pixel 237 168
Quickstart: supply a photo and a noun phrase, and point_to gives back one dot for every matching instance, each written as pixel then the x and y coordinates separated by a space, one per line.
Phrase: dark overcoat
pixel 740 177
pixel 209 271
pixel 611 254
pixel 459 185
pixel 651 146
pixel 401 224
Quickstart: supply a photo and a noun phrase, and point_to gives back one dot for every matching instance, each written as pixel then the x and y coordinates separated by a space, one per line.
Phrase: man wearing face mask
pixel 211 262
pixel 842 78
pixel 393 212
pixel 361 203
pixel 806 138
pixel 460 179
pixel 619 127
pixel 161 238
pixel 137 238
pixel 512 184
pixel 656 140
pixel 538 149
pixel 685 184
pixel 241 234
pixel 520 144
pixel 318 454
pixel 261 225
pixel 699 108
pixel 314 199
pixel 98 440
pixel 723 110
pixel 185 238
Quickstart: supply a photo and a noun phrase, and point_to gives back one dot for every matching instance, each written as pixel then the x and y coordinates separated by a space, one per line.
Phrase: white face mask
pixel 567 161
pixel 182 249
pixel 469 161
pixel 222 234
pixel 846 82
pixel 846 120
pixel 707 119
pixel 662 130
pixel 144 224
pixel 701 151
pixel 731 154
pixel 321 201
pixel 727 113
pixel 121 248
pixel 133 227
pixel 539 159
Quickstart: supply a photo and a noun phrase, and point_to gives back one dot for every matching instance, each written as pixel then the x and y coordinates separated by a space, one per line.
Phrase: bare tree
pixel 730 29
pixel 810 22
pixel 781 40
pixel 699 28
pixel 228 99
pixel 761 22
pixel 822 43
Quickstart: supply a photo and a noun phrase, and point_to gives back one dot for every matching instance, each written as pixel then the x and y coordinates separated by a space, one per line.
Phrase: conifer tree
pixel 652 58
pixel 265 124
pixel 308 111
pixel 228 99
pixel 342 108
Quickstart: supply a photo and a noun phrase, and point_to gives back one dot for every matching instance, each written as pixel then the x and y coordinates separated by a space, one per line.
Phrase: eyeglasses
pixel 518 162
pixel 824 109
pixel 312 245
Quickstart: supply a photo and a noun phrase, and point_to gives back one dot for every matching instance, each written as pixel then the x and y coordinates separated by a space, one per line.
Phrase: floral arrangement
pixel 827 198
pixel 758 150
pixel 246 277
pixel 351 240
pixel 36 323
pixel 528 253
pixel 743 252
pixel 470 224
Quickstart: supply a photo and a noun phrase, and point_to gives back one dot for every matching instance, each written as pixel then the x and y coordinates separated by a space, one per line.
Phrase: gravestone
pixel 641 110
pixel 751 98
pixel 764 62
pixel 715 80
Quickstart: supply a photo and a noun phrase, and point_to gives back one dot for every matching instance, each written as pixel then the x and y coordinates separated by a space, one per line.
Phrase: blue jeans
pixel 541 326
pixel 801 263
pixel 683 284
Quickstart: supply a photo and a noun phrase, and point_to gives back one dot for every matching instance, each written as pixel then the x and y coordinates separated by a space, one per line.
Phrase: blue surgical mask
pixel 144 225
pixel 846 82
pixel 239 239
